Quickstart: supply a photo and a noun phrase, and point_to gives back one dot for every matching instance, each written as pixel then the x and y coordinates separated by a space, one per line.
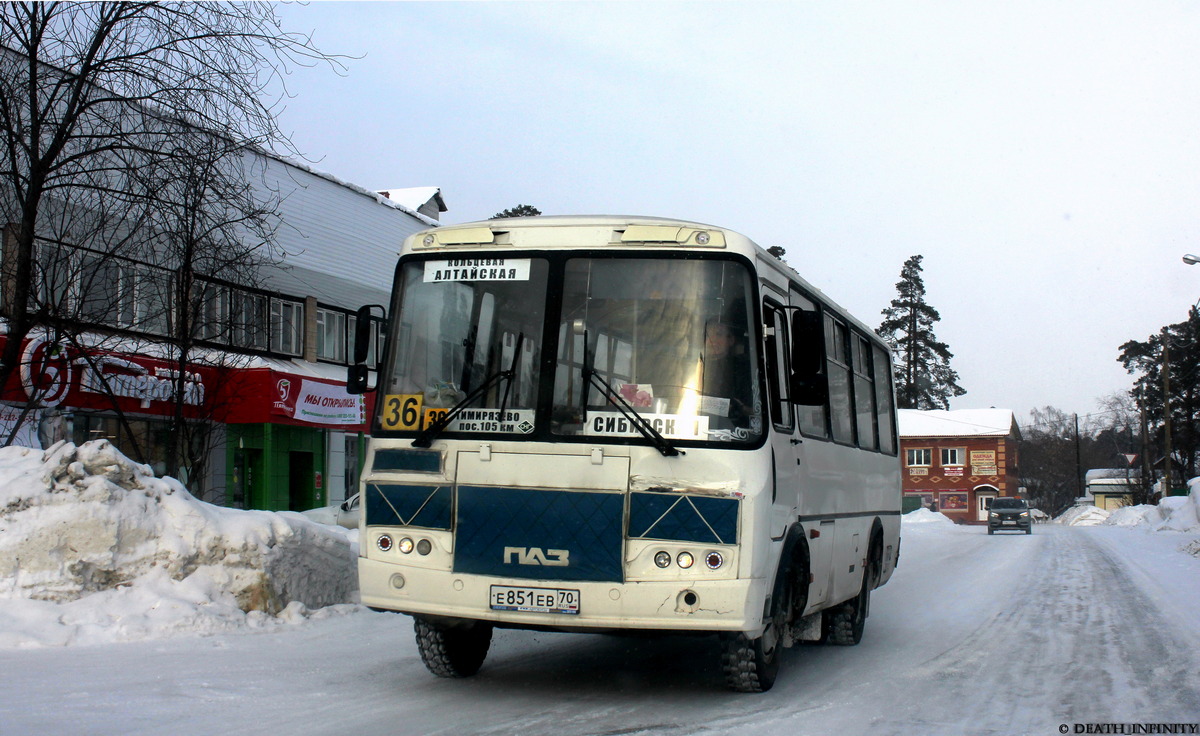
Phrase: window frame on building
pixel 286 326
pixel 959 452
pixel 909 454
pixel 332 334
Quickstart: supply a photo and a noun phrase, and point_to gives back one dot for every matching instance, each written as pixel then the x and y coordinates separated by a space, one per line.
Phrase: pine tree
pixel 924 379
pixel 521 210
pixel 1182 360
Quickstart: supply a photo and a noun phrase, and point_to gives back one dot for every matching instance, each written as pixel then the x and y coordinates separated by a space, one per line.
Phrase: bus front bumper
pixel 680 605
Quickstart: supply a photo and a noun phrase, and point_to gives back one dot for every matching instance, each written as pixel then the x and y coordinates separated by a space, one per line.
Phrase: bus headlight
pixel 384 543
pixel 406 545
pixel 424 547
pixel 714 560
pixel 662 559
pixel 685 560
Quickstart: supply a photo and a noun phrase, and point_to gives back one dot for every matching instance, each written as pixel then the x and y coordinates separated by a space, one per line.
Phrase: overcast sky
pixel 1044 157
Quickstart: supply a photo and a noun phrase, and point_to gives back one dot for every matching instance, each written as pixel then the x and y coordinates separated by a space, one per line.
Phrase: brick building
pixel 955 461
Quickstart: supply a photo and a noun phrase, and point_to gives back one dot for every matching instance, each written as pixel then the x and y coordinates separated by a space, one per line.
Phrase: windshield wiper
pixel 426 436
pixel 637 420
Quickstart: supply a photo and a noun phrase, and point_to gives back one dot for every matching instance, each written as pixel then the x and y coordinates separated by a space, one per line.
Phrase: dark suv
pixel 1009 514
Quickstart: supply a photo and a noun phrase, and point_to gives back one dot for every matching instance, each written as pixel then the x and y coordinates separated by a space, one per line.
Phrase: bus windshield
pixel 670 337
pixel 464 327
pixel 665 341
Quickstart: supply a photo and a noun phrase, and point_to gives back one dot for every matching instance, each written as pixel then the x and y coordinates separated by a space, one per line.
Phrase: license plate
pixel 1010 522
pixel 534 600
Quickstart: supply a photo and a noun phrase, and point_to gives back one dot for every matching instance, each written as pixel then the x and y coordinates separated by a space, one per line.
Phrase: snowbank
pixel 1179 513
pixel 923 520
pixel 925 516
pixel 94 548
pixel 1083 516
pixel 1172 514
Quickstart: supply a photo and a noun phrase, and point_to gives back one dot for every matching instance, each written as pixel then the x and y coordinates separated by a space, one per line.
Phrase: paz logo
pixel 284 387
pixel 536 556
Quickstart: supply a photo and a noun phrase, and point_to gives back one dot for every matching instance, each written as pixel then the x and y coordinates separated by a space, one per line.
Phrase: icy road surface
pixel 975 634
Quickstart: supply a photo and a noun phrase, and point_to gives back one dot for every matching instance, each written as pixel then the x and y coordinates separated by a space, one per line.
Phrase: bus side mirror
pixel 365 336
pixel 807 384
pixel 358 379
pixel 365 331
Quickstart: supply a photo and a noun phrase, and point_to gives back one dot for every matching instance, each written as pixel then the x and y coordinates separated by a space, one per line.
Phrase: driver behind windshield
pixel 725 378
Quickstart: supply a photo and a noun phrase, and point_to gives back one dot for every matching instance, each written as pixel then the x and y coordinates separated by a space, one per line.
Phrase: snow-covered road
pixel 975 634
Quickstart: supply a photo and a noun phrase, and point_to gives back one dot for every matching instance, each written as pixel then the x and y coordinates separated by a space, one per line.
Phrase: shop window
pixel 141 440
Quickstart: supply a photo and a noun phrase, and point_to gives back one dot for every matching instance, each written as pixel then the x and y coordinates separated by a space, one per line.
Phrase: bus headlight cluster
pixel 685 560
pixel 405 546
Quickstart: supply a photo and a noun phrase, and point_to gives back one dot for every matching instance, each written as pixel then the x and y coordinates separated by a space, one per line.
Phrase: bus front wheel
pixel 751 664
pixel 453 651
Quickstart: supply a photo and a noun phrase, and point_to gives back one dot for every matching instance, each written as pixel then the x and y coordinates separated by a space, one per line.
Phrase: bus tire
pixel 844 624
pixel 453 651
pixel 751 665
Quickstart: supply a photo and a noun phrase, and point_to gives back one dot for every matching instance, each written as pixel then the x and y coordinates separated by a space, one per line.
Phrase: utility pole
pixel 1078 463
pixel 1144 494
pixel 1166 381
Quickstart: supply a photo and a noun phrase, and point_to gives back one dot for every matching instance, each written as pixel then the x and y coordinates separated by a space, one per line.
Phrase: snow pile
pixel 1180 513
pixel 1171 514
pixel 1134 516
pixel 94 548
pixel 924 521
pixel 925 516
pixel 1083 516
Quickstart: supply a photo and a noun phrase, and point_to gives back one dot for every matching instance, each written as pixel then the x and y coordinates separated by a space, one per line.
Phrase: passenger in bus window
pixel 726 373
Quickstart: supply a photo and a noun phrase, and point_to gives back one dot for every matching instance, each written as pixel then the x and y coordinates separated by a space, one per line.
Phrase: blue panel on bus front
pixel 421 461
pixel 389 504
pixel 541 535
pixel 671 516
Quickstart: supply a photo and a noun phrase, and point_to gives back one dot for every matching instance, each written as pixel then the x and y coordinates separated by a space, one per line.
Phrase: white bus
pixel 609 424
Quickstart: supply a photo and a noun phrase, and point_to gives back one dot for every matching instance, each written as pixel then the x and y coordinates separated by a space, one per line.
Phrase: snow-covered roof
pixel 424 200
pixel 1110 473
pixel 957 423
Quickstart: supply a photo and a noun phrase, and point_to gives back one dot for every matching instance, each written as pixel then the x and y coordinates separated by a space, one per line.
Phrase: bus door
pixel 815 475
pixel 786 449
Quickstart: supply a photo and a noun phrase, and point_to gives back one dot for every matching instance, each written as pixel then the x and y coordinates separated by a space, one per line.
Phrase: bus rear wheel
pixel 453 651
pixel 844 624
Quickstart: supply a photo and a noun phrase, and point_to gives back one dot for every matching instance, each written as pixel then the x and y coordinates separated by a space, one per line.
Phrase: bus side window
pixel 837 366
pixel 808 356
pixel 777 367
pixel 864 393
pixel 884 408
